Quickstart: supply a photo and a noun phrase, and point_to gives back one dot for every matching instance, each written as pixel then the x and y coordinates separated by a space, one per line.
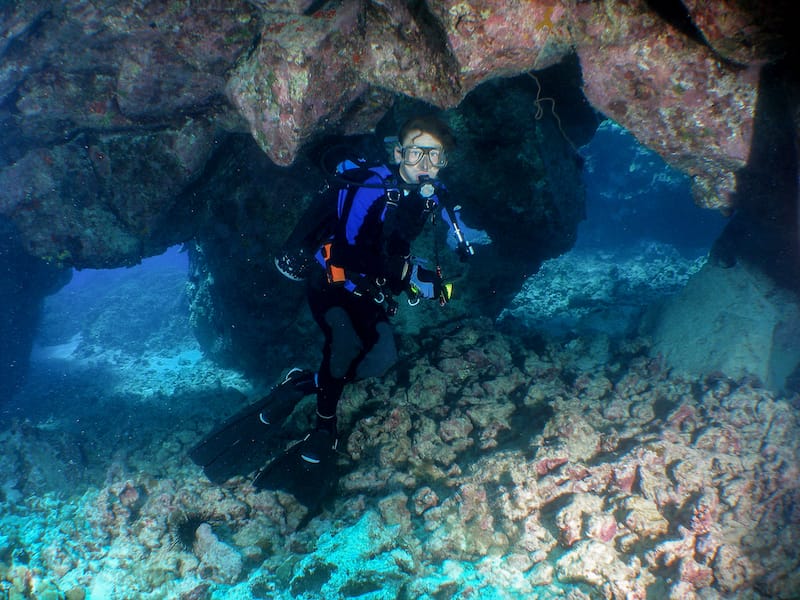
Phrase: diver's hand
pixel 395 273
pixel 424 282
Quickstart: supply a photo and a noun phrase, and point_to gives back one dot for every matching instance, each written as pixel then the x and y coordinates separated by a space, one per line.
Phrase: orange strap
pixel 335 274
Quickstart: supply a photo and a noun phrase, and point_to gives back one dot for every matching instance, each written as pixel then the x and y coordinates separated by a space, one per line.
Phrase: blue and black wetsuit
pixel 363 264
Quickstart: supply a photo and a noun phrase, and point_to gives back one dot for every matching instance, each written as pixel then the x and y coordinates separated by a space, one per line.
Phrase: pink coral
pixel 545 465
pixel 700 576
pixel 705 512
pixel 602 527
pixel 456 427
pixel 625 476
pixel 423 499
pixel 218 560
pixel 681 415
pixel 129 496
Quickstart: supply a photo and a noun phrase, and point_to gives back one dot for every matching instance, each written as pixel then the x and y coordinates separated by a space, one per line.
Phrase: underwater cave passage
pixel 642 239
pixel 634 199
pixel 106 326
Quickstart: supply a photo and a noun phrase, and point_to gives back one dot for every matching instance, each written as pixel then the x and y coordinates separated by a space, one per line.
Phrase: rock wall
pixel 24 282
pixel 113 115
pixel 734 321
pixel 94 96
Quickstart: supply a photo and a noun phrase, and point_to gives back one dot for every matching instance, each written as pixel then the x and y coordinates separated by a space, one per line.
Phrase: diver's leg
pixel 341 349
pixel 381 356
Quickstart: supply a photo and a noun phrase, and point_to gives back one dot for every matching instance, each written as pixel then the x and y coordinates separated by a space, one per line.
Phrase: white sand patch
pixel 65 351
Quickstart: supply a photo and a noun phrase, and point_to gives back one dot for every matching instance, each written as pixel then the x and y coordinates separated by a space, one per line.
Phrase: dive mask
pixel 413 155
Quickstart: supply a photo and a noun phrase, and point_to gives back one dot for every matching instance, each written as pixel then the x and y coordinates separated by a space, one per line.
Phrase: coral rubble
pixel 485 468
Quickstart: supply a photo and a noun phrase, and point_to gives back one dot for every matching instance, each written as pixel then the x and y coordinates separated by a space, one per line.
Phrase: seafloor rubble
pixel 487 465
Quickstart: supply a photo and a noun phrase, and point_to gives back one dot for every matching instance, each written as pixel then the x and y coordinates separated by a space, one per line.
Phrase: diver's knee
pixel 345 343
pixel 381 357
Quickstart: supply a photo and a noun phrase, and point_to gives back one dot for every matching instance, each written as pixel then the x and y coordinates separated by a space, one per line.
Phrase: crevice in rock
pixel 431 28
pixel 17 44
pixel 676 14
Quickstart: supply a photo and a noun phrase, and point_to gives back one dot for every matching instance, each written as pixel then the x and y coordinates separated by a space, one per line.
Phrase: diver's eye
pixel 412 155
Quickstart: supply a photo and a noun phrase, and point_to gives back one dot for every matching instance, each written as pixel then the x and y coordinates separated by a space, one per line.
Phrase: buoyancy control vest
pixel 330 216
pixel 318 225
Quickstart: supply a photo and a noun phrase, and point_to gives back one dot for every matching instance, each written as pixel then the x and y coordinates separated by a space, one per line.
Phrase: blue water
pixel 174 259
pixel 633 195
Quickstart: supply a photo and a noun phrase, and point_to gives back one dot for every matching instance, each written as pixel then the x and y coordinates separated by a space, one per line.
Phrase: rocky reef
pixel 551 454
pixel 488 464
pixel 495 461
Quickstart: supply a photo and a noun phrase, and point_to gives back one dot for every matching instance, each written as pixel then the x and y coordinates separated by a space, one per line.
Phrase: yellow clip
pixel 446 293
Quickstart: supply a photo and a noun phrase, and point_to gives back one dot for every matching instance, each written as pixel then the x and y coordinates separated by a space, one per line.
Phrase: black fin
pixel 247 439
pixel 311 483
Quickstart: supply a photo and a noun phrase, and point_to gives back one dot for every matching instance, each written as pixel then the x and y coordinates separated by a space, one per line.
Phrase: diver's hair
pixel 429 124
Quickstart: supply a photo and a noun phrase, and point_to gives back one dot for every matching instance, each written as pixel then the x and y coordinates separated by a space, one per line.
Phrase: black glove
pixel 395 273
pixel 424 282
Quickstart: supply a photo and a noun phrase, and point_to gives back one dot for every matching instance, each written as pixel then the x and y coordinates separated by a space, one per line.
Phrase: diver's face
pixel 432 158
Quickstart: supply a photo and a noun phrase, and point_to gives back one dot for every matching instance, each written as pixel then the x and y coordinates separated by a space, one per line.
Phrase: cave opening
pixel 633 197
pixel 642 238
pixel 119 307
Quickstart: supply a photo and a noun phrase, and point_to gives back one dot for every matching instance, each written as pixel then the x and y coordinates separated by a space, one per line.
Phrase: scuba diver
pixel 355 254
